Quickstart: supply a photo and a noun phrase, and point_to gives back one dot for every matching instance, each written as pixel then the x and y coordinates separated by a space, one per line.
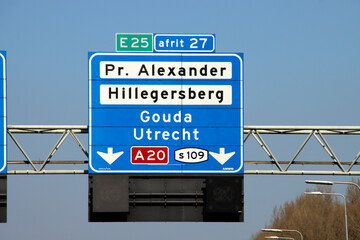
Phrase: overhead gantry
pixel 268 164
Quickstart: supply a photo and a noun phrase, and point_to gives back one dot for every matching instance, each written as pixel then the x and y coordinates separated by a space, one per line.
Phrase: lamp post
pixel 276 237
pixel 335 194
pixel 331 183
pixel 282 230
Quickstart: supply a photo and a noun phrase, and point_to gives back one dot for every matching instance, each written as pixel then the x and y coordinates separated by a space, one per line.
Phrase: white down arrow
pixel 222 157
pixel 110 157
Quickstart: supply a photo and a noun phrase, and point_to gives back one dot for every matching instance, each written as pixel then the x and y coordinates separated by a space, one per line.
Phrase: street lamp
pixel 335 194
pixel 281 230
pixel 331 183
pixel 276 237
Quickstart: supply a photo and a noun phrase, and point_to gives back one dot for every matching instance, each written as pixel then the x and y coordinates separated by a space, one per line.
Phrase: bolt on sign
pixel 166 113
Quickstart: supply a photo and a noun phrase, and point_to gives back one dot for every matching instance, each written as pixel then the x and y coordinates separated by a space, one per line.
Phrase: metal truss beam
pixel 317 132
pixel 65 131
pixel 255 132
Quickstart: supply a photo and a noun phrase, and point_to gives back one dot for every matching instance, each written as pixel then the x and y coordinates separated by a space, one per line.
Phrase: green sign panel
pixel 134 42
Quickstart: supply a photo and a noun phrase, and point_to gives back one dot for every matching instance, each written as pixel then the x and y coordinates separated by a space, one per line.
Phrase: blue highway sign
pixel 165 113
pixel 3 123
pixel 184 43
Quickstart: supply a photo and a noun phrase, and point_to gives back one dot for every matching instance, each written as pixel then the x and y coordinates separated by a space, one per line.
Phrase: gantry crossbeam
pixel 316 132
pixel 64 131
pixel 260 166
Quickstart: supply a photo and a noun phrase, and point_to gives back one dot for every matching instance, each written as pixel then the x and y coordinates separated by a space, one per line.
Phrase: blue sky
pixel 301 68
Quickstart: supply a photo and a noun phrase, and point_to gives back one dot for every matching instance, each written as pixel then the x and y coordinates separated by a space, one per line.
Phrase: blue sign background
pixel 218 126
pixel 3 123
pixel 184 43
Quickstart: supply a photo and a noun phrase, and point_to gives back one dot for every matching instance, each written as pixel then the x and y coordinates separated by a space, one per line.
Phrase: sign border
pixel 5 116
pixel 236 171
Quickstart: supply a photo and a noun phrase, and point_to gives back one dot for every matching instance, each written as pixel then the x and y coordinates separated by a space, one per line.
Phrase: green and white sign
pixel 134 42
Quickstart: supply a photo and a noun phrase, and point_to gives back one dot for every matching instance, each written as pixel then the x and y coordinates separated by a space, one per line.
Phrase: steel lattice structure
pixel 265 166
pixel 64 131
pixel 318 133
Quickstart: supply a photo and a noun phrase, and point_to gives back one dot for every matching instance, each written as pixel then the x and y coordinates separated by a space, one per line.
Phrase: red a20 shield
pixel 150 155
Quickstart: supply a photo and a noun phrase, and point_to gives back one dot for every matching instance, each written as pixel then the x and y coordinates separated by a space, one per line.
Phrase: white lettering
pixel 187 118
pixel 145 117
pixel 156 135
pixel 177 117
pixel 175 133
pixel 156 117
pixel 141 136
pixel 122 42
pixel 139 155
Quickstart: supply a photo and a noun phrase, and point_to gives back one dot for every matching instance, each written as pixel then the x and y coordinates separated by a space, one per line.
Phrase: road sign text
pixel 134 42
pixel 184 43
pixel 166 94
pixel 149 155
pixel 176 70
